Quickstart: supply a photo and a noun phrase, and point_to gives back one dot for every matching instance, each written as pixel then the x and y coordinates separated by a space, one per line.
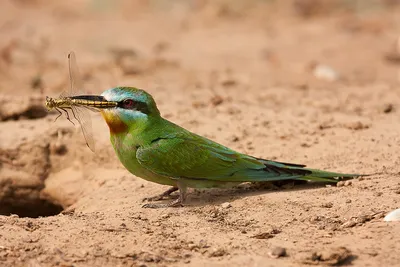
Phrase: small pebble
pixel 277 252
pixel 59 148
pixel 226 205
pixel 327 205
pixel 216 100
pixel 348 183
pixel 388 108
pixel 166 216
pixel 393 216
pixel 217 252
pixel 348 224
pixel 192 246
pixel 363 219
pixel 340 184
pixel 324 72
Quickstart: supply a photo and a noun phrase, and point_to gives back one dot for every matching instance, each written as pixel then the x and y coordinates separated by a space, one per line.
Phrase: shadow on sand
pixel 201 197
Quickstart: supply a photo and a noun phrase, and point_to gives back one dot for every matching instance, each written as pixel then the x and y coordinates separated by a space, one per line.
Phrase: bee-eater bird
pixel 160 151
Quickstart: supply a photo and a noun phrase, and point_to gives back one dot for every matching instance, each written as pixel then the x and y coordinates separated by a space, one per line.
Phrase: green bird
pixel 160 151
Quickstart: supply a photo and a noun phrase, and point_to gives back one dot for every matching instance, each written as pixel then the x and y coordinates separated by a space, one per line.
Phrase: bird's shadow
pixel 201 197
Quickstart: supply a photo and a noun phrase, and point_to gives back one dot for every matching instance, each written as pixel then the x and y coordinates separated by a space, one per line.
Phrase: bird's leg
pixel 162 195
pixel 176 203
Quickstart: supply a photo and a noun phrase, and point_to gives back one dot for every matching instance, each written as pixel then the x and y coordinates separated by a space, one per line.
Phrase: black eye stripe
pixel 137 105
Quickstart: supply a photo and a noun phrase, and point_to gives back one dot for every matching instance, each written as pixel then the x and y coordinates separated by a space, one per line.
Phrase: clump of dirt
pixel 330 257
pixel 31 107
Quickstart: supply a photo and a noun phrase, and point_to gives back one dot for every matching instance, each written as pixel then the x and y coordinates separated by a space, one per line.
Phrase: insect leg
pixel 58 114
pixel 66 112
pixel 73 113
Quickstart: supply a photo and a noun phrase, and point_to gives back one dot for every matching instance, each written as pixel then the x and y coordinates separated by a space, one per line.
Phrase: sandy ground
pixel 317 84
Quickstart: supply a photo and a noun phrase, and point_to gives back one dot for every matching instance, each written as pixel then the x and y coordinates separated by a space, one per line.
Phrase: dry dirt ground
pixel 308 82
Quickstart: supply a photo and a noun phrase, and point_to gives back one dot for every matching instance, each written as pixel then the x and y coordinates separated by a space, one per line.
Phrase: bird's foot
pixel 175 203
pixel 161 196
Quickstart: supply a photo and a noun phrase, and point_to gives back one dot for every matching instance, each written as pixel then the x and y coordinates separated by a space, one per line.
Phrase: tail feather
pixel 301 173
pixel 279 171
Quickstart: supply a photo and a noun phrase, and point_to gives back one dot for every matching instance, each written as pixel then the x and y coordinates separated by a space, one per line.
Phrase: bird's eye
pixel 128 103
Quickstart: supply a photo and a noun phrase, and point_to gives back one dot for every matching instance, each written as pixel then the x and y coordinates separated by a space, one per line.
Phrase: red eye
pixel 129 103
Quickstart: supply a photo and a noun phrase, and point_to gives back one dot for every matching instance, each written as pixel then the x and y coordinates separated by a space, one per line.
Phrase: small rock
pixel 198 104
pixel 388 108
pixel 332 257
pixel 393 56
pixel 340 184
pixel 166 216
pixel 326 73
pixel 59 148
pixel 277 252
pixel 363 219
pixel 327 205
pixel 217 252
pixel 235 139
pixel 267 235
pixel 229 83
pixel 348 183
pixel 348 224
pixel 305 145
pixel 358 125
pixel 216 100
pixel 263 236
pixel 393 216
pixel 378 215
pixel 192 246
pixel 226 205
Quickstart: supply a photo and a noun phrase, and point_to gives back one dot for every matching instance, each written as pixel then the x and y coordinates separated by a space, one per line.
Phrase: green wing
pixel 178 153
pixel 193 157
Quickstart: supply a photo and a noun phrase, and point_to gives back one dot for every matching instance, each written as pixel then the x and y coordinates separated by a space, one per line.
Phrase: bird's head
pixel 134 108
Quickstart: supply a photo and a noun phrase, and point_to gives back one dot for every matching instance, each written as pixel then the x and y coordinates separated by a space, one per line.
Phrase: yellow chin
pixel 113 121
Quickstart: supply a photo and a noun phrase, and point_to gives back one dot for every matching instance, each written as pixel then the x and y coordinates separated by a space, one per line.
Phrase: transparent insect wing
pixel 74 76
pixel 81 113
pixel 83 116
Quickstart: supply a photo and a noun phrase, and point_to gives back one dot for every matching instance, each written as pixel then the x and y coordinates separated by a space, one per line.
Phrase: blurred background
pixel 198 44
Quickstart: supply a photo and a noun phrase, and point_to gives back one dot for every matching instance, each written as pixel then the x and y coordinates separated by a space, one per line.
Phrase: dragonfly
pixel 78 105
